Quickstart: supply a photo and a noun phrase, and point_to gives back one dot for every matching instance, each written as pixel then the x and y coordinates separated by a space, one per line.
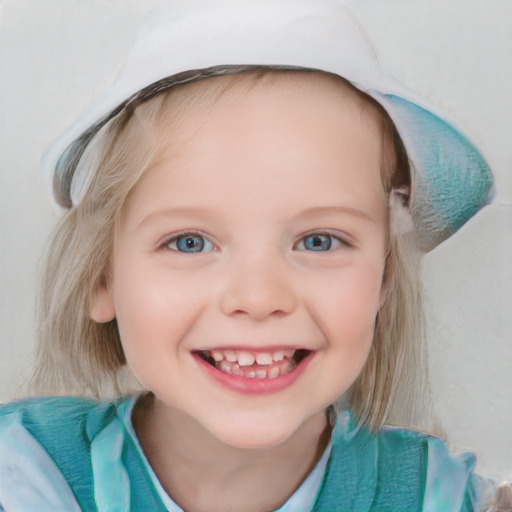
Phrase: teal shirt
pixel 67 454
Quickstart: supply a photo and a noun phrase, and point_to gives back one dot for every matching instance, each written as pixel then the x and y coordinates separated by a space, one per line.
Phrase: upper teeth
pixel 246 358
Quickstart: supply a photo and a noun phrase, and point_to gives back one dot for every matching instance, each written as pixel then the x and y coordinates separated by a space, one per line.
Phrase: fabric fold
pixel 30 481
pixel 111 481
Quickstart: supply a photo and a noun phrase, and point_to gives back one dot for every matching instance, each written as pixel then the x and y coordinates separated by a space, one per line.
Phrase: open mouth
pixel 254 365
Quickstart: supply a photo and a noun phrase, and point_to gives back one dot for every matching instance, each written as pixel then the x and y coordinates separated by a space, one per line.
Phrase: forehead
pixel 208 94
pixel 262 132
pixel 253 102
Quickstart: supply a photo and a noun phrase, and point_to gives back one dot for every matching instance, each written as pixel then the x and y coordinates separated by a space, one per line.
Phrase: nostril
pixel 264 313
pixel 258 313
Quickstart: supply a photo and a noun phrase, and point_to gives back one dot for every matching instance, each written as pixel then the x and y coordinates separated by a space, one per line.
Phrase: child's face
pixel 259 232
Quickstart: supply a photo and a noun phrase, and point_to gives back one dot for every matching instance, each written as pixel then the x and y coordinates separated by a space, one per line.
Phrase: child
pixel 245 206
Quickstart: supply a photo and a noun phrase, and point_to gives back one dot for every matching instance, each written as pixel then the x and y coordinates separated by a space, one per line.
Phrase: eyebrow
pixel 336 209
pixel 208 213
pixel 183 211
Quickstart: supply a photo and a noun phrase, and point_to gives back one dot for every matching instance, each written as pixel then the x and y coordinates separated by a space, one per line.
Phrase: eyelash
pixel 175 239
pixel 328 237
pixel 324 242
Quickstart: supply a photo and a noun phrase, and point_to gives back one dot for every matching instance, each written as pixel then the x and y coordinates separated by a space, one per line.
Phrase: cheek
pixel 344 306
pixel 348 301
pixel 154 308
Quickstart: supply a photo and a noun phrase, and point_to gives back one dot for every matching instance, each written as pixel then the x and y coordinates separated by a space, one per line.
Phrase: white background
pixel 57 55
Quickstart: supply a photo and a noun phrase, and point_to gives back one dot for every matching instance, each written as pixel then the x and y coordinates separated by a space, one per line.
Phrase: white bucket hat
pixel 450 179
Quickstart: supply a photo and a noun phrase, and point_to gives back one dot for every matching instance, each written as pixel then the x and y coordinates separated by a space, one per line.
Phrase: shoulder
pixel 60 413
pixel 45 447
pixel 61 424
pixel 405 450
pixel 449 481
pixel 399 469
pixel 436 452
pixel 31 473
pixel 48 418
pixel 45 407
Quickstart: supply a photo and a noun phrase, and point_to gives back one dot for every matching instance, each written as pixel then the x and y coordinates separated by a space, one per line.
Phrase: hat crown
pixel 191 34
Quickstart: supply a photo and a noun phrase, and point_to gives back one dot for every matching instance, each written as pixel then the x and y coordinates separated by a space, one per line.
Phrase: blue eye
pixel 319 242
pixel 190 243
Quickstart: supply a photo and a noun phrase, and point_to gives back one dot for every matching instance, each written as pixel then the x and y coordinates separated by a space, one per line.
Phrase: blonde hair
pixel 77 355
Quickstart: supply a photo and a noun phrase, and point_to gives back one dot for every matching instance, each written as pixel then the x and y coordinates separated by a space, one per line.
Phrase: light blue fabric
pixel 455 181
pixel 29 478
pixel 447 478
pixel 111 480
pixel 41 441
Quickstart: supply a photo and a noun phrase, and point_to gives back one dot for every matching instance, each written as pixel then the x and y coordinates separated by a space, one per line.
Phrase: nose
pixel 258 289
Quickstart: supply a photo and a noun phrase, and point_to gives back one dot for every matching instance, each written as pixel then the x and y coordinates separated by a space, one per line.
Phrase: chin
pixel 257 432
pixel 257 439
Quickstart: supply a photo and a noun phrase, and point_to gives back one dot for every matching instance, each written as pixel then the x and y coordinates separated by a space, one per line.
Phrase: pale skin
pixel 280 189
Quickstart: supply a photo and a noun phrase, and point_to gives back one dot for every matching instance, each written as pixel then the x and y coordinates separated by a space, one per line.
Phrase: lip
pixel 246 385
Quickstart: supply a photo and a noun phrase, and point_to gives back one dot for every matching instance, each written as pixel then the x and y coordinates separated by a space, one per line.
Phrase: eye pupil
pixel 191 243
pixel 317 242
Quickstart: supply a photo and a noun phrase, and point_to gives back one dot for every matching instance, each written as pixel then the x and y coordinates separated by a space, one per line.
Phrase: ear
pixel 101 306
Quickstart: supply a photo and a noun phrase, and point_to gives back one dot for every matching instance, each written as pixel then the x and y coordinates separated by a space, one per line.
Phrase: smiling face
pixel 249 258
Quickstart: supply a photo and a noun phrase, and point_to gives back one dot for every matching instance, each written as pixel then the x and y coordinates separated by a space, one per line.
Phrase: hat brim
pixel 451 179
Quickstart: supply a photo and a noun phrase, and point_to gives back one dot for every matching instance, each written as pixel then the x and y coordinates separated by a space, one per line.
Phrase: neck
pixel 202 473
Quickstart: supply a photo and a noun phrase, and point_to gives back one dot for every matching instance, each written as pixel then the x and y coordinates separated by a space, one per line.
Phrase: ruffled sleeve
pixel 29 478
pixel 451 484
